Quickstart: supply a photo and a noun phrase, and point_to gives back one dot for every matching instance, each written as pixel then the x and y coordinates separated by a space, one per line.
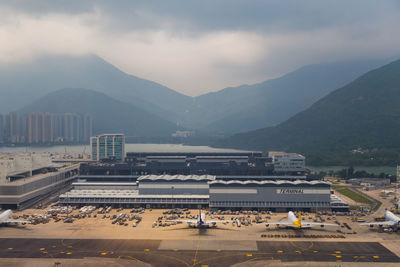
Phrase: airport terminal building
pixel 193 191
pixel 24 189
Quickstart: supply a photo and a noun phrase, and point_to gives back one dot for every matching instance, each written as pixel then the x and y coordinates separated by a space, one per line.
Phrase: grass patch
pixel 352 195
pixel 377 206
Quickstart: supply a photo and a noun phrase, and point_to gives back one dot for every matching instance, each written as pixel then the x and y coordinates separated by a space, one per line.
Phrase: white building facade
pixel 288 162
pixel 108 146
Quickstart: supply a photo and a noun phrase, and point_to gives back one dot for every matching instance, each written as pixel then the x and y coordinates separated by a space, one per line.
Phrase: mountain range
pixel 23 82
pixel 360 120
pixel 228 111
pixel 250 107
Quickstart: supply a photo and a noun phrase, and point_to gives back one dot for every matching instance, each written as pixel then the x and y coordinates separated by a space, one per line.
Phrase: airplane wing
pixel 216 221
pixel 309 224
pixel 182 221
pixel 13 221
pixel 276 223
pixel 385 223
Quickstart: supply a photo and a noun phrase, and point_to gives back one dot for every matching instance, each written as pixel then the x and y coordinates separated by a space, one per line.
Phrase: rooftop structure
pixel 13 163
pixel 204 178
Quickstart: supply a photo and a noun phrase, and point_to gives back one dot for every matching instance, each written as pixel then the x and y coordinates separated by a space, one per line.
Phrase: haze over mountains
pixel 109 115
pixel 250 107
pixel 363 114
pixel 24 82
pixel 164 110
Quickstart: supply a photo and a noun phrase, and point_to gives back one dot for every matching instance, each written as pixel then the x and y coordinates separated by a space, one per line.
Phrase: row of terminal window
pixel 268 204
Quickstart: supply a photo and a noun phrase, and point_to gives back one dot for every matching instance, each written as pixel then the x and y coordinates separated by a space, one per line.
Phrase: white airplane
pixel 5 218
pixel 201 222
pixel 297 223
pixel 391 220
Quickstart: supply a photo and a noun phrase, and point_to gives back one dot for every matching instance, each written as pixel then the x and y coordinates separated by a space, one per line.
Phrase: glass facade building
pixel 108 147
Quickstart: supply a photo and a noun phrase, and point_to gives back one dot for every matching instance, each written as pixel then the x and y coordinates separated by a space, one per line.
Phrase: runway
pixel 196 252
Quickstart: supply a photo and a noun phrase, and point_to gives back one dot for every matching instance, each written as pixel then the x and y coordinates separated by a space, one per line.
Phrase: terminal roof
pixel 278 182
pixel 177 177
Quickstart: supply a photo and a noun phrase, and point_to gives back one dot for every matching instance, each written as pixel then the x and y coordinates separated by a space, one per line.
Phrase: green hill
pixel 109 115
pixel 363 114
pixel 250 107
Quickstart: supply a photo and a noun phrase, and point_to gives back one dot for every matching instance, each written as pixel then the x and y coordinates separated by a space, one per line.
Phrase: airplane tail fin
pixel 300 216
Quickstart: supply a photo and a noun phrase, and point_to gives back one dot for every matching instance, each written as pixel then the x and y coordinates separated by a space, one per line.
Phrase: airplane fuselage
pixel 201 222
pixel 391 217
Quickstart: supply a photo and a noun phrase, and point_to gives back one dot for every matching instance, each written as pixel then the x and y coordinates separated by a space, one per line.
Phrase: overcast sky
pixel 198 46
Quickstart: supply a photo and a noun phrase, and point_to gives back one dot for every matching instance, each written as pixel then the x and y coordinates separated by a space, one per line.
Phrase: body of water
pixel 80 149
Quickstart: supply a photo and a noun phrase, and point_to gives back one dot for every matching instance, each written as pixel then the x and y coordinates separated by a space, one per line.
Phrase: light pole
pixel 172 199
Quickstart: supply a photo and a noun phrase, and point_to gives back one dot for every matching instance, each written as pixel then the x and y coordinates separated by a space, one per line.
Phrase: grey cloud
pixel 197 46
pixel 211 15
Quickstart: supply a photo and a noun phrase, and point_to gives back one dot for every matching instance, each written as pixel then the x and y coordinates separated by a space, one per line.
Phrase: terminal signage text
pixel 290 191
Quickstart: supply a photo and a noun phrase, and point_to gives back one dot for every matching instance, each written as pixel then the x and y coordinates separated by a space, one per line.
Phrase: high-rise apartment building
pixel 45 128
pixel 1 129
pixel 108 146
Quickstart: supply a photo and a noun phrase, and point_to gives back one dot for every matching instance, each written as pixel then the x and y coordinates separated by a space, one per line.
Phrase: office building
pixel 108 147
pixel 288 163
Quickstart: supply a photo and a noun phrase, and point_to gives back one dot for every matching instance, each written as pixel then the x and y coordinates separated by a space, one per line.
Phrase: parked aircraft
pixel 391 220
pixel 5 218
pixel 297 223
pixel 201 221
